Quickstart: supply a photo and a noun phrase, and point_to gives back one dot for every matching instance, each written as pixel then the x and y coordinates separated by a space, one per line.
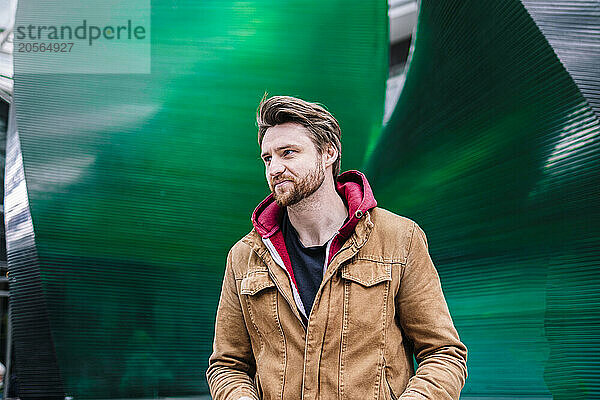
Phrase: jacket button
pixel 358 214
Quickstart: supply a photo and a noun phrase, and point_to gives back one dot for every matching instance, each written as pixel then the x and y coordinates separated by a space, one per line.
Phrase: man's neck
pixel 317 217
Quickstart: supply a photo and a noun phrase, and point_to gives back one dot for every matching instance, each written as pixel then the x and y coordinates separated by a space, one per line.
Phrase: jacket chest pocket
pixel 366 291
pixel 260 295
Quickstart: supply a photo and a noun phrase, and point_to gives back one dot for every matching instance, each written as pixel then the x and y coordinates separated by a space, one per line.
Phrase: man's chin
pixel 281 202
pixel 284 200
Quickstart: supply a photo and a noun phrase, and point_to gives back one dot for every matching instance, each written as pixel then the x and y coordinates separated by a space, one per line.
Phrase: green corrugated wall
pixel 138 185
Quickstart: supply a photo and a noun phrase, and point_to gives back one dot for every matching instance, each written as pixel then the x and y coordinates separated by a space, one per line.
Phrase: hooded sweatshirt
pixel 355 191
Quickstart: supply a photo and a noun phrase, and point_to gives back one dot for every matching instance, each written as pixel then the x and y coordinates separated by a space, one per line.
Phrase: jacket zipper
pixel 294 308
pixel 388 385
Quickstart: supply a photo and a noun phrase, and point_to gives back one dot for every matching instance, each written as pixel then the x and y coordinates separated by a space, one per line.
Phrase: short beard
pixel 303 188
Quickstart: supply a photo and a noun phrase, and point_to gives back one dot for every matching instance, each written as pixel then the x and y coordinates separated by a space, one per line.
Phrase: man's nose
pixel 276 167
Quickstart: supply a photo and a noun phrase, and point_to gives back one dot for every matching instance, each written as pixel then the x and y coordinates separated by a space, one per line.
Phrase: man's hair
pixel 322 126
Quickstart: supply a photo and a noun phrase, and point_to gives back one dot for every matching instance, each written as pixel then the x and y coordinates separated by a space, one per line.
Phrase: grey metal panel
pixel 36 364
pixel 573 29
pixel 403 19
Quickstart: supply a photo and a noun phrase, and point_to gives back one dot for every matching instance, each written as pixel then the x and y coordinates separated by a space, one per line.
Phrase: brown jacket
pixel 379 303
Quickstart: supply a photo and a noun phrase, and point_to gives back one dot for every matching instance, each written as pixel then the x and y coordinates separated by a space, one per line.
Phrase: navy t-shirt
pixel 307 263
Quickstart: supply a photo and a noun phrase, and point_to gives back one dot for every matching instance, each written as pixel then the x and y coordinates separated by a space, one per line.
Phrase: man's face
pixel 293 166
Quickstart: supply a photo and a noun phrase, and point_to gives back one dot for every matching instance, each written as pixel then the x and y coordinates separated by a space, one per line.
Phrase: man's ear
pixel 330 155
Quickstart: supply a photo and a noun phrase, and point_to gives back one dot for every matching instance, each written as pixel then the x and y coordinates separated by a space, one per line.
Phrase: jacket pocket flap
pixel 256 282
pixel 367 273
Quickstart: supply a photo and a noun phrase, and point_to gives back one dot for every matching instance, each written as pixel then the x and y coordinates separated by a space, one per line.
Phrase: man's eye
pixel 267 159
pixel 287 152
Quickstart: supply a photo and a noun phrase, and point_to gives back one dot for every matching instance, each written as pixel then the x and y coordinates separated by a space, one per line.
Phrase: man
pixel 329 296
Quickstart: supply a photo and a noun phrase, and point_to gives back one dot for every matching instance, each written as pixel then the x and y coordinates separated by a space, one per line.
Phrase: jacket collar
pixel 353 188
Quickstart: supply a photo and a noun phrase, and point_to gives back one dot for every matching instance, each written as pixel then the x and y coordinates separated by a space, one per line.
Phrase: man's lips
pixel 280 182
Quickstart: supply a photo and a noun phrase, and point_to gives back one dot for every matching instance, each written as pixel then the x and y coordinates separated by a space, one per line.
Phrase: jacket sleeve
pixel 426 321
pixel 231 366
